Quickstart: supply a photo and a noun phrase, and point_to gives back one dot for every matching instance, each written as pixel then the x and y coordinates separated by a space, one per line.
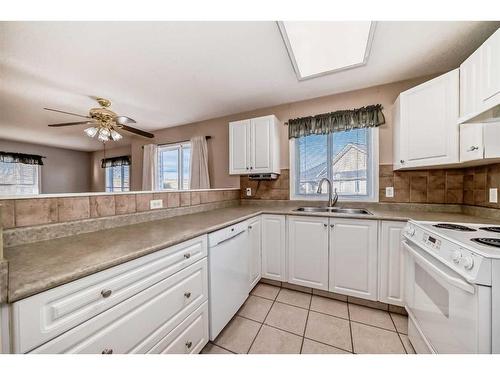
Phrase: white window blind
pixel 19 179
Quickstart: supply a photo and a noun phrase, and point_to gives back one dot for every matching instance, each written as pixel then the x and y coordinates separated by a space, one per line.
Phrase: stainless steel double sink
pixel 335 210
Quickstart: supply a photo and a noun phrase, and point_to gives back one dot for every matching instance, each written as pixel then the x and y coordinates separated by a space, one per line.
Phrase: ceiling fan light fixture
pixel 104 132
pixel 102 137
pixel 115 135
pixel 91 132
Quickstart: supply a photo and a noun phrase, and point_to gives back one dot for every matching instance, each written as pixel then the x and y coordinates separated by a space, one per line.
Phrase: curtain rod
pixel 173 143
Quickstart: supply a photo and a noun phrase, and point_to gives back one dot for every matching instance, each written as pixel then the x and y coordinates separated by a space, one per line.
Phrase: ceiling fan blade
pixel 67 113
pixel 71 123
pixel 137 131
pixel 121 120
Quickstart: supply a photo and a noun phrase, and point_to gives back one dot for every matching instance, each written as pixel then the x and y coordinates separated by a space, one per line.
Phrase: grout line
pixel 214 344
pixel 350 327
pixel 399 336
pixel 305 326
pixel 262 324
pixel 333 346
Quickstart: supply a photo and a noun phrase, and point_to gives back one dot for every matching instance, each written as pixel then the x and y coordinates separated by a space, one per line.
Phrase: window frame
pixel 108 170
pixel 372 173
pixel 39 183
pixel 180 165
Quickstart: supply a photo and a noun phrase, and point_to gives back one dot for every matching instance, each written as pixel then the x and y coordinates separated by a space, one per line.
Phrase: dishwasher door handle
pixel 230 238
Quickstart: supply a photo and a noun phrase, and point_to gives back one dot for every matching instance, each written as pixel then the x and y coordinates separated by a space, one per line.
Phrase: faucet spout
pixel 332 198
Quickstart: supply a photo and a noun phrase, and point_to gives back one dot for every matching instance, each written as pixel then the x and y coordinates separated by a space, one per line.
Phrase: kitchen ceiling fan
pixel 105 123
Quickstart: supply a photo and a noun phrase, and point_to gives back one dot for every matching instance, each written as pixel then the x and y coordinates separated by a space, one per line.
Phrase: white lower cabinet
pixel 308 251
pixel 391 263
pixel 353 257
pixel 255 250
pixel 274 247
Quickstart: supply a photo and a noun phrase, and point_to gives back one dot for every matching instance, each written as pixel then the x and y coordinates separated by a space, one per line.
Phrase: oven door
pixel 452 315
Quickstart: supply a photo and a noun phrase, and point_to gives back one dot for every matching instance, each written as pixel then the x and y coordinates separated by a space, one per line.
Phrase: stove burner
pixel 461 228
pixel 491 229
pixel 487 241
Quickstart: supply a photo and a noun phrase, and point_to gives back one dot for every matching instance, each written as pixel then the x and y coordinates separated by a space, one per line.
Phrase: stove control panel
pixel 431 241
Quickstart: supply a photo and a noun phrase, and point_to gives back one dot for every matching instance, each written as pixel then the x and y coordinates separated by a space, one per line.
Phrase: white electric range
pixel 452 287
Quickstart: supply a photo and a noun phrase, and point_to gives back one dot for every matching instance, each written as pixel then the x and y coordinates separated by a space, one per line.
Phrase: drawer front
pixel 189 337
pixel 39 318
pixel 137 324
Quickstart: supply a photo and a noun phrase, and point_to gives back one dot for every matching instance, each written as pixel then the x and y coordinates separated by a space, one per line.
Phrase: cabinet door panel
pixel 491 68
pixel 491 134
pixel 308 251
pixel 255 263
pixel 353 257
pixel 391 263
pixel 471 142
pixel 239 137
pixel 470 85
pixel 260 135
pixel 273 247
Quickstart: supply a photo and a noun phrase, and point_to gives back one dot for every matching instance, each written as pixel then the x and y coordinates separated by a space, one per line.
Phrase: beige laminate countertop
pixel 39 266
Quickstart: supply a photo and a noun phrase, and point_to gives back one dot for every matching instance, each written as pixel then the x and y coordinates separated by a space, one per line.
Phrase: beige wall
pixel 97 176
pixel 218 128
pixel 64 171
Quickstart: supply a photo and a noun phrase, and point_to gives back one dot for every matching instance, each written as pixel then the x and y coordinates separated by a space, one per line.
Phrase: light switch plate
pixel 493 195
pixel 155 204
pixel 389 192
pixel 249 192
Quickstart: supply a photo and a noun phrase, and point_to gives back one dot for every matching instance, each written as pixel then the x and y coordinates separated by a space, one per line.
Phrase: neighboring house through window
pixel 19 179
pixel 174 166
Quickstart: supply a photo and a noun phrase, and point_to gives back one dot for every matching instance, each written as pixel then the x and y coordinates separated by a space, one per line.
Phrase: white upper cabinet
pixel 273 247
pixel 254 146
pixel 425 123
pixel 479 143
pixel 255 248
pixel 470 85
pixel 490 77
pixel 308 251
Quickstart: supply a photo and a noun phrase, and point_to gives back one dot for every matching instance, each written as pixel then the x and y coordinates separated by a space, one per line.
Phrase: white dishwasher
pixel 228 274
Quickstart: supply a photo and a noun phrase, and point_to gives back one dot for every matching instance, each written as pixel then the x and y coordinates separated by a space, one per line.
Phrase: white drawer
pixel 136 325
pixel 39 318
pixel 189 337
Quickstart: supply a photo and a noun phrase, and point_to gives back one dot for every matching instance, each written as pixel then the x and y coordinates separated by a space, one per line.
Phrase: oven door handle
pixel 459 283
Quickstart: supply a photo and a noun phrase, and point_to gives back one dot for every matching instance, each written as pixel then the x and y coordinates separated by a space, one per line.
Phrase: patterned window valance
pixel 15 157
pixel 116 161
pixel 338 121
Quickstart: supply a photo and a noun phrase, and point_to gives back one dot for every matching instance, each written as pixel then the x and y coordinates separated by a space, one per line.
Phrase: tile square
pixel 102 205
pixel 288 318
pixel 265 291
pixel 74 208
pixel 125 204
pixel 373 340
pixel 401 323
pixel 294 298
pixel 407 344
pixel 255 308
pixel 214 349
pixel 35 211
pixel 329 330
pixel 238 335
pixel 371 316
pixel 329 306
pixel 274 341
pixel 314 347
pixel 7 214
pixel 142 201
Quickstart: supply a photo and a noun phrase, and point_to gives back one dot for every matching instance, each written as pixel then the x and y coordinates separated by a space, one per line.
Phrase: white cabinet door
pixel 490 72
pixel 427 126
pixel 273 247
pixel 308 251
pixel 470 85
pixel 261 134
pixel 471 142
pixel 254 247
pixel 491 135
pixel 239 147
pixel 353 257
pixel 391 263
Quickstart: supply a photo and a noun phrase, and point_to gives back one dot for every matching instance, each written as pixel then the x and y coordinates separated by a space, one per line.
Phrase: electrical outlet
pixel 155 204
pixel 389 192
pixel 249 192
pixel 493 195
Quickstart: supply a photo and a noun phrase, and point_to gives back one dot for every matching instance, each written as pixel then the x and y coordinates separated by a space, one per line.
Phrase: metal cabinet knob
pixel 105 293
pixel 187 255
pixel 473 148
pixel 332 225
pixel 249 227
pixel 187 294
pixel 107 351
pixel 325 225
pixel 402 161
pixel 189 344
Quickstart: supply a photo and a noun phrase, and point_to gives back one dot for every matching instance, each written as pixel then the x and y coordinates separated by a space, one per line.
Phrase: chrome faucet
pixel 332 200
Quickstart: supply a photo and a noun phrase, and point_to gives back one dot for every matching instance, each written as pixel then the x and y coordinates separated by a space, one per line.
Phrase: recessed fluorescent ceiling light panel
pixel 317 48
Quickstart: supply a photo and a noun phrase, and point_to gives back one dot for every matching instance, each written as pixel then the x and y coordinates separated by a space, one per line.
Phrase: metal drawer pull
pixel 187 255
pixel 189 344
pixel 332 225
pixel 325 225
pixel 187 294
pixel 107 351
pixel 105 293
pixel 473 148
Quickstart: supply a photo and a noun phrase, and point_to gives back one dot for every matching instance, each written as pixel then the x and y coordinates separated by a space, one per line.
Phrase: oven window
pixel 435 291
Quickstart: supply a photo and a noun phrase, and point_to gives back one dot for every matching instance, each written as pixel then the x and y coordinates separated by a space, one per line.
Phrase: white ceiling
pixel 171 73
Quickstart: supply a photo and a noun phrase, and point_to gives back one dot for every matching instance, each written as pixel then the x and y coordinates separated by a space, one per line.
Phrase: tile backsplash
pixel 278 189
pixel 38 211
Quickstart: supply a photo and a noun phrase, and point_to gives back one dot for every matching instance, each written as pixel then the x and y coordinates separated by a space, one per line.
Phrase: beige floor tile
pixel 288 318
pixel 255 308
pixel 407 344
pixel 401 323
pixel 329 306
pixel 373 340
pixel 238 335
pixel 295 298
pixel 371 316
pixel 274 341
pixel 265 291
pixel 313 347
pixel 214 349
pixel 329 330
